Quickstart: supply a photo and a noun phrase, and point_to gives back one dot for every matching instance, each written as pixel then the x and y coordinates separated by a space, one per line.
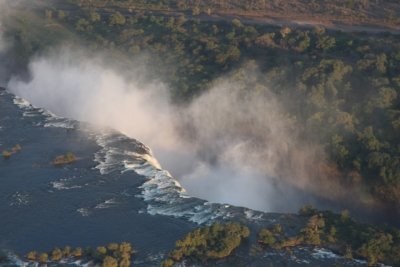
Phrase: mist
pixel 3 42
pixel 230 145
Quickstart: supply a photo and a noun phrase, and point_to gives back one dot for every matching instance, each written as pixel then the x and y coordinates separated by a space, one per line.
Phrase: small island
pixel 64 159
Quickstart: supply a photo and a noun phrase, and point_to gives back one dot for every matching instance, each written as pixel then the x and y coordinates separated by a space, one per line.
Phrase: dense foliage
pixel 341 90
pixel 209 243
pixel 112 255
pixel 342 234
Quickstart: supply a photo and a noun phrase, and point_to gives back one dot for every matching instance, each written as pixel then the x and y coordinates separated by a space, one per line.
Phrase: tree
pixel 113 246
pixel 78 252
pixel 266 40
pixel 101 250
pixel 375 249
pixel 109 262
pixel 311 233
pixel 61 15
pixel 381 60
pixel 43 258
pixel 125 262
pixel 196 11
pixel 167 263
pixel 385 98
pixel 66 251
pixel 94 16
pixel 266 237
pixel 237 23
pixel 326 42
pixel 83 25
pixel 32 255
pixel 48 14
pixel 117 19
pixel 56 254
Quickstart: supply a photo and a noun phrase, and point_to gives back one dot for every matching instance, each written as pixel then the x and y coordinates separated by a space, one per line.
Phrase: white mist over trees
pixel 230 145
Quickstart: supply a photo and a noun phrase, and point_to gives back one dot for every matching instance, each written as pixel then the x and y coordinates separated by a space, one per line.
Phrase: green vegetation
pixel 266 237
pixel 342 234
pixel 64 159
pixel 114 255
pixel 210 243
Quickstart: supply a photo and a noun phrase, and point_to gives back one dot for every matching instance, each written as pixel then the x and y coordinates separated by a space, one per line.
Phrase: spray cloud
pixel 230 145
pixel 3 43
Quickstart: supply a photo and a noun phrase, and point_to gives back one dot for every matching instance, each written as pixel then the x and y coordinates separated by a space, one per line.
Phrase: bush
pixel 43 258
pixel 78 252
pixel 101 250
pixel 125 263
pixel 265 237
pixel 56 254
pixel 32 256
pixel 117 19
pixel 109 262
pixel 214 242
pixel 311 233
pixel 66 251
pixel 167 263
pixel 113 246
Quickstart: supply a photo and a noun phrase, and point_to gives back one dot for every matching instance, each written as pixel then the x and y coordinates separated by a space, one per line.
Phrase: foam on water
pixel 19 199
pixel 253 215
pixel 324 254
pixel 106 204
pixel 22 103
pixel 163 194
pixel 64 184
pixel 14 260
pixel 84 211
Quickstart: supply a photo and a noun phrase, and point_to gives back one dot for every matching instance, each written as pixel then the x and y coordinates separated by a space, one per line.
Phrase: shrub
pixel 277 229
pixel 78 252
pixel 43 258
pixel 167 263
pixel 101 250
pixel 125 263
pixel 56 254
pixel 66 251
pixel 348 253
pixel 109 262
pixel 117 19
pixel 266 237
pixel 311 233
pixel 113 246
pixel 32 255
pixel 214 242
